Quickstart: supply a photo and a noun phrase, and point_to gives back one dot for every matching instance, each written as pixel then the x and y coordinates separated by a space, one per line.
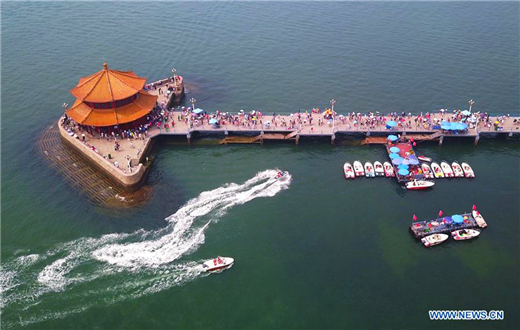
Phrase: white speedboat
pixel 378 167
pixel 468 171
pixel 419 184
pixel 457 170
pixel 281 175
pixel 446 168
pixel 427 171
pixel 479 219
pixel 389 170
pixel 437 171
pixel 219 263
pixel 434 239
pixel 348 171
pixel 369 170
pixel 464 234
pixel 358 169
pixel 425 159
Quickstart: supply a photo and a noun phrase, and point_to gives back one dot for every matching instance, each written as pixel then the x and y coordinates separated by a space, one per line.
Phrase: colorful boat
pixel 446 168
pixel 437 171
pixel 427 171
pixel 464 234
pixel 369 170
pixel 389 170
pixel 378 167
pixel 424 159
pixel 457 170
pixel 358 169
pixel 348 171
pixel 468 171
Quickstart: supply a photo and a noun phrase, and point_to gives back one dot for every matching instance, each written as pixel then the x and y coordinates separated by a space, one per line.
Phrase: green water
pixel 312 252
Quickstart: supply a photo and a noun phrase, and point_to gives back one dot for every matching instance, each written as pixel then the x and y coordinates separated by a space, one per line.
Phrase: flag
pixel 440 213
pixel 414 218
pixel 474 207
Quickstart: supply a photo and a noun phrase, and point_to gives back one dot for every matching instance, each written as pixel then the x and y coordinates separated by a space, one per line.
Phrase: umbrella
pixel 395 149
pixel 448 220
pixel 466 113
pixel 402 167
pixel 394 156
pixel 446 125
pixel 198 110
pixel 391 123
pixel 457 218
pixel 406 162
pixel 403 172
pixel 397 161
pixel 413 162
pixel 472 120
pixel 213 121
pixel 392 137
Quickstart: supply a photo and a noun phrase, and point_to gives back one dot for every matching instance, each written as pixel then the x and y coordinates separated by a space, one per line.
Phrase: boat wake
pixel 117 267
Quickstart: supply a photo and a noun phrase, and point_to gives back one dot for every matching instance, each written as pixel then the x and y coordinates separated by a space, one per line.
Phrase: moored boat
pixel 446 168
pixel 389 170
pixel 419 184
pixel 369 170
pixel 378 167
pixel 424 159
pixel 434 239
pixel 457 170
pixel 219 263
pixel 464 234
pixel 358 168
pixel 468 171
pixel 437 171
pixel 348 171
pixel 427 171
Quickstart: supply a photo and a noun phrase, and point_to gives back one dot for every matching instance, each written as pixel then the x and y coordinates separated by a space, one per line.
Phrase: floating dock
pixel 445 225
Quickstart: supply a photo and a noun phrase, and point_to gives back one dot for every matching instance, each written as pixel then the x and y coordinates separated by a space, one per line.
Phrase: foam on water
pixel 151 256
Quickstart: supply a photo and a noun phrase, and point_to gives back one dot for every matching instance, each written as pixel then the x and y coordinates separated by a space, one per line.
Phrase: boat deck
pixel 444 225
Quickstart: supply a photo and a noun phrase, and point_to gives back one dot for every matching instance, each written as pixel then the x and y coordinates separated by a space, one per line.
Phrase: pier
pixel 445 225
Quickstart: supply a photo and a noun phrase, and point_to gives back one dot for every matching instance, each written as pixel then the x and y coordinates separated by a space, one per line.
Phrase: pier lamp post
pixel 471 102
pixel 332 102
pixel 174 72
pixel 193 100
pixel 64 106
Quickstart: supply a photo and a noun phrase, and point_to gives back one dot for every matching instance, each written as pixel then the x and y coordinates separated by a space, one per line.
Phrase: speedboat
pixel 389 170
pixel 424 159
pixel 348 171
pixel 419 184
pixel 448 172
pixel 369 170
pixel 468 171
pixel 464 234
pixel 379 169
pixel 358 168
pixel 219 263
pixel 457 170
pixel 437 170
pixel 479 219
pixel 281 174
pixel 427 171
pixel 434 239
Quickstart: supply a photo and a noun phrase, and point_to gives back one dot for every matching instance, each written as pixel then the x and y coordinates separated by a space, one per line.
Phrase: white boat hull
pixel 369 170
pixel 348 171
pixel 464 234
pixel 389 170
pixel 418 185
pixel 448 172
pixel 358 169
pixel 218 264
pixel 457 170
pixel 468 171
pixel 378 167
pixel 434 239
pixel 427 171
pixel 437 171
pixel 424 159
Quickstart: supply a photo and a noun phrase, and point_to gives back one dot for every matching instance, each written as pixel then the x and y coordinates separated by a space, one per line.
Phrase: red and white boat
pixel 457 170
pixel 369 170
pixel 358 168
pixel 437 171
pixel 419 184
pixel 425 159
pixel 389 170
pixel 219 263
pixel 427 171
pixel 448 172
pixel 468 171
pixel 464 234
pixel 434 239
pixel 378 167
pixel 348 171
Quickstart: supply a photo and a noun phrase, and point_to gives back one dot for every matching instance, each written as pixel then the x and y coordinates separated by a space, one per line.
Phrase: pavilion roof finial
pixel 105 66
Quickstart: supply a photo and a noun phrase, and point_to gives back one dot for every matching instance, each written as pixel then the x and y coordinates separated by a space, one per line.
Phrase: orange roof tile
pixel 85 115
pixel 108 85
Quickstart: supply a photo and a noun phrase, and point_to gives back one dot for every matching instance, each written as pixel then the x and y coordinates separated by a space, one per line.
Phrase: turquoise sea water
pixel 312 252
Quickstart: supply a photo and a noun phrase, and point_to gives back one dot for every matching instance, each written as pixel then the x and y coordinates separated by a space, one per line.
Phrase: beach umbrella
pixel 402 166
pixel 403 172
pixel 446 125
pixel 198 111
pixel 406 162
pixel 213 121
pixel 391 123
pixel 466 113
pixel 397 161
pixel 413 162
pixel 395 149
pixel 392 137
pixel 448 220
pixel 394 156
pixel 457 218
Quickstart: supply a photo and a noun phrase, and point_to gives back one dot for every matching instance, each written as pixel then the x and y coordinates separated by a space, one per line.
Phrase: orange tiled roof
pixel 108 85
pixel 85 115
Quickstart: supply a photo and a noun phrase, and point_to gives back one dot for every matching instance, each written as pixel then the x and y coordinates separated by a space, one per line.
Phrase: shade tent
pixel 213 121
pixel 448 220
pixel 406 161
pixel 403 172
pixel 413 161
pixel 391 123
pixel 466 113
pixel 457 218
pixel 395 149
pixel 394 156
pixel 198 111
pixel 392 137
pixel 402 167
pixel 397 161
